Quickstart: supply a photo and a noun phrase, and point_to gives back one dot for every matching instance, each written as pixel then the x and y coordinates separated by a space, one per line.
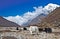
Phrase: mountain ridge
pixel 7 23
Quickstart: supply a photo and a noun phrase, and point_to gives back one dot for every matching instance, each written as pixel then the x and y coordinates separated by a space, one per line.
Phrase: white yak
pixel 33 29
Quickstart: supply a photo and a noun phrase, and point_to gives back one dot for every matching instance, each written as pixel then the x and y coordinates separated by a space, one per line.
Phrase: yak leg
pixel 31 32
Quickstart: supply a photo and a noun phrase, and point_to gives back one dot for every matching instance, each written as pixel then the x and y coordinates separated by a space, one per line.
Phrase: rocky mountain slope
pixel 38 19
pixel 52 20
pixel 6 23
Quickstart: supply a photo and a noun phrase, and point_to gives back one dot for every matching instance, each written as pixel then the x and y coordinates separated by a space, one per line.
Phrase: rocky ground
pixel 27 35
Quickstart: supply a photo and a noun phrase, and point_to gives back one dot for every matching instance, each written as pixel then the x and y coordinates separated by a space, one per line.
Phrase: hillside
pixel 52 20
pixel 6 23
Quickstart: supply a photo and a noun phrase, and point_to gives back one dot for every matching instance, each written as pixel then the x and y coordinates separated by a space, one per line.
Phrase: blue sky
pixel 19 7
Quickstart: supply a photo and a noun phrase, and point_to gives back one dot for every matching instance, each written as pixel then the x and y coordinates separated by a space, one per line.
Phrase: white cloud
pixel 31 15
pixel 50 7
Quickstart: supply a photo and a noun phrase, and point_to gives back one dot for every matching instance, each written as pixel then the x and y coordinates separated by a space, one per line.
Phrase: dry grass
pixel 27 35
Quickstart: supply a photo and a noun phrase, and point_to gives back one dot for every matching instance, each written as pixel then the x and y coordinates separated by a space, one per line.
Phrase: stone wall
pixel 7 28
pixel 55 29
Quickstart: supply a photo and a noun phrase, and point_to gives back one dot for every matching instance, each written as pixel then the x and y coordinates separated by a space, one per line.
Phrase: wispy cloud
pixel 31 15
